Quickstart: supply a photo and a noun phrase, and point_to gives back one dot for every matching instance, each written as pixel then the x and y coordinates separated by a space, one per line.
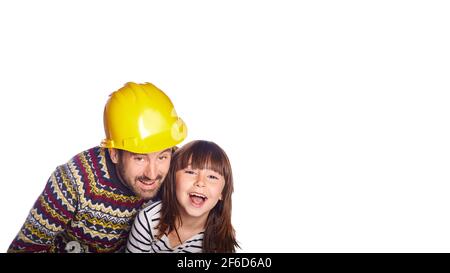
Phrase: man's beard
pixel 144 178
pixel 132 185
pixel 154 192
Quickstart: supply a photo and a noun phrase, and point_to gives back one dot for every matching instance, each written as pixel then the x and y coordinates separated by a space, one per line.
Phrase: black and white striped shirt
pixel 142 237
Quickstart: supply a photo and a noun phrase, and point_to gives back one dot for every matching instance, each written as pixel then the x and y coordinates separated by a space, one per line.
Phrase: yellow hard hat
pixel 140 118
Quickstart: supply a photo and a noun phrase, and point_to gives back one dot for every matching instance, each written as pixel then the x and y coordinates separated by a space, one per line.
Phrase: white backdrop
pixel 335 114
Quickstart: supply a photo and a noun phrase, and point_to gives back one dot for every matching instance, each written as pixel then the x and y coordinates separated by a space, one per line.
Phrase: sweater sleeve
pixel 51 214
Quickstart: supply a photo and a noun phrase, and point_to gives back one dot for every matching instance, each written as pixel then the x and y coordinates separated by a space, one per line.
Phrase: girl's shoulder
pixel 152 208
pixel 148 218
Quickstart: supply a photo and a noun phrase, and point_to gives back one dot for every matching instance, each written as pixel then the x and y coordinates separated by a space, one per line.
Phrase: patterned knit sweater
pixel 83 208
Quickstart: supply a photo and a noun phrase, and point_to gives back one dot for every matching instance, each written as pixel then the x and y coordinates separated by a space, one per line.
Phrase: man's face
pixel 142 173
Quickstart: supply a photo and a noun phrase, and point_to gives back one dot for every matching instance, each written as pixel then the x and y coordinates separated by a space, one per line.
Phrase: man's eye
pixel 163 157
pixel 139 158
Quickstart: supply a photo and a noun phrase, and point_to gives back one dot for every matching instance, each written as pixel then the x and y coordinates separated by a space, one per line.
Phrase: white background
pixel 335 114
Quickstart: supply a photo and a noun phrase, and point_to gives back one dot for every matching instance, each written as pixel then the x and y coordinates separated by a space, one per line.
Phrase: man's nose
pixel 151 170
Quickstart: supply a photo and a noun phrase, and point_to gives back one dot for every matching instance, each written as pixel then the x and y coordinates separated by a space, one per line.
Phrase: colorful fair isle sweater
pixel 83 208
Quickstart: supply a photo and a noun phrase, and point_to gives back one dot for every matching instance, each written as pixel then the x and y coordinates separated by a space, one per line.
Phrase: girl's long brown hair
pixel 219 234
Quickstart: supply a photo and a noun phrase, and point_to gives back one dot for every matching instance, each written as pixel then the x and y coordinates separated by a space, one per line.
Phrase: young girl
pixel 194 214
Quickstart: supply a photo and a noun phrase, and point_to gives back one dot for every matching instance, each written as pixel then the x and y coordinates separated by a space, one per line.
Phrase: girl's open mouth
pixel 197 199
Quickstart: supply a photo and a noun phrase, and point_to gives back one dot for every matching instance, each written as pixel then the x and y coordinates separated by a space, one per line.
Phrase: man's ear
pixel 114 154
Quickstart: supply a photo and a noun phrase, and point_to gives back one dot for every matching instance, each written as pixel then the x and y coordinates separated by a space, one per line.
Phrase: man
pixel 89 203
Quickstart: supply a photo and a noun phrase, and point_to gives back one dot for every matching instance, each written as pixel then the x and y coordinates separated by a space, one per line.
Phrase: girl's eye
pixel 189 172
pixel 213 177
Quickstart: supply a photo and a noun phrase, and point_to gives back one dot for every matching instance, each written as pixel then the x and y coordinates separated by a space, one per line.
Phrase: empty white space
pixel 335 114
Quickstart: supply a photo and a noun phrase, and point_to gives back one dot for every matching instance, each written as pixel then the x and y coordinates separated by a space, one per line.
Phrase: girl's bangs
pixel 203 156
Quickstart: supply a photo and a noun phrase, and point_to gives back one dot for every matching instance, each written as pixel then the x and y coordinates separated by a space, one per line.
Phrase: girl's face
pixel 198 191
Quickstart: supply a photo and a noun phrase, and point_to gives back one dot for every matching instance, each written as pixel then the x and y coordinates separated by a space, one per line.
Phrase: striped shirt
pixel 143 235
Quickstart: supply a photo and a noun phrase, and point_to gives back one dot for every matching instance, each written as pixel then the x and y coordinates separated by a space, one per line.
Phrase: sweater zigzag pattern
pixel 83 208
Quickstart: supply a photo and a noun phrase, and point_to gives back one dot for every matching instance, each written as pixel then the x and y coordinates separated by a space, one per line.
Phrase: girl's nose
pixel 200 181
